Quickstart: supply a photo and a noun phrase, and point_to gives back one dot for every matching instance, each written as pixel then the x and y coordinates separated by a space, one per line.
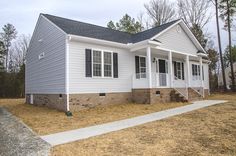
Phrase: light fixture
pixel 154 60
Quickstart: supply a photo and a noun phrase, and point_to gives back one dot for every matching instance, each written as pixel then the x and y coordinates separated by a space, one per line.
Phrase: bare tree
pixel 194 12
pixel 18 51
pixel 160 11
pixel 143 20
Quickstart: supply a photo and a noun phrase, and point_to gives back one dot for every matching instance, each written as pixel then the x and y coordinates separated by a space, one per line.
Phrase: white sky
pixel 23 14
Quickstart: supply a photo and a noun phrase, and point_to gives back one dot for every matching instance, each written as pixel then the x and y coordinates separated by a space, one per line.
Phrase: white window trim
pixel 198 76
pixel 142 67
pixel 181 70
pixel 102 63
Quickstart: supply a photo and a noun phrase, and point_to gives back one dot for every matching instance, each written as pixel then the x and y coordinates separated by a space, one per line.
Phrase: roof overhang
pixel 130 46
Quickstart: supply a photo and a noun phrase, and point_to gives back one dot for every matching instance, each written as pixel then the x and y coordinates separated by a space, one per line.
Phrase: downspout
pixel 68 113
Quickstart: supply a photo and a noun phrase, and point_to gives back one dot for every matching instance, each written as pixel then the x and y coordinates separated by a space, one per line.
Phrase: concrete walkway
pixel 18 139
pixel 83 133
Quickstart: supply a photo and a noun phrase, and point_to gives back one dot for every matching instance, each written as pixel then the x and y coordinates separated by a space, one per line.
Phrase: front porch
pixel 157 69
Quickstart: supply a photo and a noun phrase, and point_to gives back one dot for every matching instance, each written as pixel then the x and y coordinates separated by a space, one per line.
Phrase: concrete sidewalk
pixel 83 133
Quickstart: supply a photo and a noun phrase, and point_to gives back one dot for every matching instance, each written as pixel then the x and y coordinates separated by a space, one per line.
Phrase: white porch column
pixel 202 83
pixel 170 69
pixel 149 65
pixel 188 70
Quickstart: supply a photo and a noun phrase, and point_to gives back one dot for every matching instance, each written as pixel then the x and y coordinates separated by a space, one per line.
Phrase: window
pixel 179 70
pixel 102 63
pixel 142 67
pixel 107 64
pixel 97 63
pixel 196 72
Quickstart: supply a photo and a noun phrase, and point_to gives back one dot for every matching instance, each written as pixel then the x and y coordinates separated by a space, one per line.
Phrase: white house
pixel 72 65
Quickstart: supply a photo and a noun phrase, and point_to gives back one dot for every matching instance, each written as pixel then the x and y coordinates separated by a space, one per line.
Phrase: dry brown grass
pixel 208 131
pixel 46 121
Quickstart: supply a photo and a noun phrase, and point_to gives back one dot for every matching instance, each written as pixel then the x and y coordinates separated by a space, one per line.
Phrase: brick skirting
pixel 57 101
pixel 83 101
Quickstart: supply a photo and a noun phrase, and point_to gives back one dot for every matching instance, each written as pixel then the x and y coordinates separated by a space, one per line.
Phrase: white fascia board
pixel 98 41
pixel 130 46
pixel 174 51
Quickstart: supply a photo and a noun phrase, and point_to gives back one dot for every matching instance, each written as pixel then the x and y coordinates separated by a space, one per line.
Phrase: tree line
pixel 196 15
pixel 13 49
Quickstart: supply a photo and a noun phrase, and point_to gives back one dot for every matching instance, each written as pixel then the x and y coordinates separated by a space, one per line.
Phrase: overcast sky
pixel 23 14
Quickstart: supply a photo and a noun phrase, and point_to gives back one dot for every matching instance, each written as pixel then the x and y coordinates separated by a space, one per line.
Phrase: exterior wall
pixel 78 83
pixel 47 75
pixel 49 100
pixel 178 41
pixel 83 101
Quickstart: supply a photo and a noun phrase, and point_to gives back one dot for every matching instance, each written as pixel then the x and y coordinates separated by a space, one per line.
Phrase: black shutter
pixel 88 62
pixel 202 73
pixel 175 69
pixel 115 65
pixel 182 71
pixel 137 66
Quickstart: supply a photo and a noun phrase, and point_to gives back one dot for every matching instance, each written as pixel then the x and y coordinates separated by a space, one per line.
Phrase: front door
pixel 162 71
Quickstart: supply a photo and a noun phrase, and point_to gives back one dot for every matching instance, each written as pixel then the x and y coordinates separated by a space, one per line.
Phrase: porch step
pixel 177 97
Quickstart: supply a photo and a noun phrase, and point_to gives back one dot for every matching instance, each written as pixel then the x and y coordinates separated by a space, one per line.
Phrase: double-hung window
pixel 142 67
pixel 196 71
pixel 97 63
pixel 102 63
pixel 179 70
pixel 107 64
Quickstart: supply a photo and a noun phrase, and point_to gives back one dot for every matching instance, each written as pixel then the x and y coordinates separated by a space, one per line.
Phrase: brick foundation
pixel 49 100
pixel 151 96
pixel 83 101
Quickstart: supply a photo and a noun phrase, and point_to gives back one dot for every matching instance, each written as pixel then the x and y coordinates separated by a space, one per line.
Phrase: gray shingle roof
pixel 93 31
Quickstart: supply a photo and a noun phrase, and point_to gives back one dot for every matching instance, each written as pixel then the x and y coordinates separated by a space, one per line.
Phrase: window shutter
pixel 137 66
pixel 182 71
pixel 88 62
pixel 202 73
pixel 175 69
pixel 115 65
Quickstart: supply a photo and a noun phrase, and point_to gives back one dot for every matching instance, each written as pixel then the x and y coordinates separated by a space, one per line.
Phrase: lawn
pixel 208 131
pixel 46 121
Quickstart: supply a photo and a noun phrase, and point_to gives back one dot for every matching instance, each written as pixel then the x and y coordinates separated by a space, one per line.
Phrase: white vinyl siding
pixel 78 83
pixel 45 60
pixel 178 41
